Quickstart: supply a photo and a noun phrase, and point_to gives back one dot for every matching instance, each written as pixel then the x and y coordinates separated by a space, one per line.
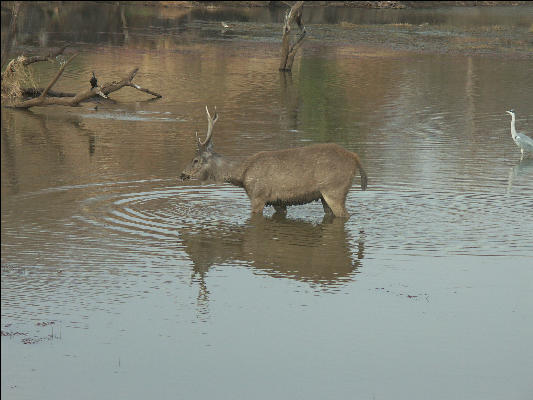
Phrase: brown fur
pixel 301 175
pixel 283 178
pixel 288 177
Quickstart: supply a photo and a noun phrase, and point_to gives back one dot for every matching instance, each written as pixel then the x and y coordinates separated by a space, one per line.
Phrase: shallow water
pixel 123 281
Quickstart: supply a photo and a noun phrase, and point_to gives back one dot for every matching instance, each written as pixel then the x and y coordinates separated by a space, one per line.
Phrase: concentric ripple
pixel 161 213
pixel 87 247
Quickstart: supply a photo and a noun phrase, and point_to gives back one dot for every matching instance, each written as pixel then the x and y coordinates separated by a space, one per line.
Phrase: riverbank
pixel 352 4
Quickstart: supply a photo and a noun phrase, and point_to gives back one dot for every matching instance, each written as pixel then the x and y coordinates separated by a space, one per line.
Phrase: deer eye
pixel 195 161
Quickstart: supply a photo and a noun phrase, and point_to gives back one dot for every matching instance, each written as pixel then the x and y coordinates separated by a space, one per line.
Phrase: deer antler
pixel 210 123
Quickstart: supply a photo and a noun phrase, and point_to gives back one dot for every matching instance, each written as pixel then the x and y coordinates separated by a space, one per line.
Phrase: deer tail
pixel 362 172
pixel 364 179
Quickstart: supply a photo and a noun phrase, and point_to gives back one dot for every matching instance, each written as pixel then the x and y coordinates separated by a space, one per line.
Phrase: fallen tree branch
pixel 36 92
pixel 42 99
pixel 25 61
pixel 133 85
pixel 49 57
pixel 59 73
pixel 17 74
pixel 125 81
pixel 104 90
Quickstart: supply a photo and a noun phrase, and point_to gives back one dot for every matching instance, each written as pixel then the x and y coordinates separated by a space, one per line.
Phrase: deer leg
pixel 327 209
pixel 336 205
pixel 281 209
pixel 257 206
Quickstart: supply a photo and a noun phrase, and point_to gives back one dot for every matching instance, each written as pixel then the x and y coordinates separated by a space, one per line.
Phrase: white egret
pixel 523 141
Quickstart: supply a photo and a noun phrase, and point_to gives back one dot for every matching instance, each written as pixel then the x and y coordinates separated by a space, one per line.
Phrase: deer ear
pixel 209 146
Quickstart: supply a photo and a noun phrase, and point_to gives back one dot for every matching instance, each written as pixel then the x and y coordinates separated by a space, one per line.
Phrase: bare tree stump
pixel 288 49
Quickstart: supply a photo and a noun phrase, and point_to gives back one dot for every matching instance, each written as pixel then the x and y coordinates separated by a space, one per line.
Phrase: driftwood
pixel 49 57
pixel 288 49
pixel 74 100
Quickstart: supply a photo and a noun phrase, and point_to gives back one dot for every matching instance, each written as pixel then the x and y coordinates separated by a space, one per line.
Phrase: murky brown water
pixel 120 281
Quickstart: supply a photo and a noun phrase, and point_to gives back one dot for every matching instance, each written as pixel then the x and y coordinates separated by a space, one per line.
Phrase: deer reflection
pixel 320 254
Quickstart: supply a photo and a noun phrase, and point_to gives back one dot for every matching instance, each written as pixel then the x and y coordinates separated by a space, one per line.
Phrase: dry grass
pixel 16 77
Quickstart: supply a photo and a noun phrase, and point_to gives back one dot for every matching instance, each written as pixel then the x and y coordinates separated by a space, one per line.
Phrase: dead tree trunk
pixel 288 49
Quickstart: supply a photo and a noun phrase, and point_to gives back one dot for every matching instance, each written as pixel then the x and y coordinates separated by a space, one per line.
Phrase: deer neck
pixel 227 170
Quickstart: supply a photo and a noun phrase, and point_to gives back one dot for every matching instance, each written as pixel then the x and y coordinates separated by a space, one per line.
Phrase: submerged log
pixel 288 49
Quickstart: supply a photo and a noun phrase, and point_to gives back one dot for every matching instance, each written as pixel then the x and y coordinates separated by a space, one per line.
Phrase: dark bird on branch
pixel 93 81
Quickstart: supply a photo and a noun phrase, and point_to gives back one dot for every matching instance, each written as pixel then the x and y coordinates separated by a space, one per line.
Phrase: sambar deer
pixel 282 178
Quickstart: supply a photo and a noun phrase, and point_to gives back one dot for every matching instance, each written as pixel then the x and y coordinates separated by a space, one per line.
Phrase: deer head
pixel 201 167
